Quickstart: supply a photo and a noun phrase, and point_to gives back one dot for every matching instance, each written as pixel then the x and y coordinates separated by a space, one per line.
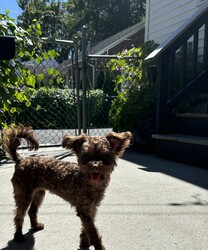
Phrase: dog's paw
pixel 84 246
pixel 38 227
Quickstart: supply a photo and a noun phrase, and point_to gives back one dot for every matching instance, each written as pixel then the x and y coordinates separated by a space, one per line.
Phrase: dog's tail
pixel 12 139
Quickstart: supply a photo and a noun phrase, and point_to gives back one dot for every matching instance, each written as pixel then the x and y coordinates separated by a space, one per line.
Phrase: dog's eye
pixel 84 159
pixel 106 159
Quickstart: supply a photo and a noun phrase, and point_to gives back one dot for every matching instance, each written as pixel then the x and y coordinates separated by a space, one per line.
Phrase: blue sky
pixel 10 5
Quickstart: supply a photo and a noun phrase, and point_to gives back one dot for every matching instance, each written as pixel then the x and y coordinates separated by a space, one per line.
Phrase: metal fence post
pixel 77 86
pixel 84 81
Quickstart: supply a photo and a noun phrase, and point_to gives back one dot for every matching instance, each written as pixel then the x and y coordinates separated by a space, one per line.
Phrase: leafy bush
pixel 101 99
pixel 15 74
pixel 99 106
pixel 132 108
pixel 56 108
pixel 50 109
pixel 136 96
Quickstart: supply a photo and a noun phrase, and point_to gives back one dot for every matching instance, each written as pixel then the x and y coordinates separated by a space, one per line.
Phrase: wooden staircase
pixel 182 87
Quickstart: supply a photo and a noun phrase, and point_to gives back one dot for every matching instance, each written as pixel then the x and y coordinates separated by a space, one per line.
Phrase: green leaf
pixel 6 106
pixel 50 71
pixel 31 81
pixel 13 110
pixel 120 79
pixel 46 57
pixel 39 59
pixel 41 77
pixel 59 79
pixel 38 26
pixel 52 53
pixel 8 70
pixel 21 54
pixel 39 32
pixel 28 104
pixel 20 96
pixel 38 107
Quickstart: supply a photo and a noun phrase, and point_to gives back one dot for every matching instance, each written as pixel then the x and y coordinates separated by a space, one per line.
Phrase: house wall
pixel 164 16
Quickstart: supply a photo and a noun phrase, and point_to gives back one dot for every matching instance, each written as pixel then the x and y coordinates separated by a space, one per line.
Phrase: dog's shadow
pixel 28 244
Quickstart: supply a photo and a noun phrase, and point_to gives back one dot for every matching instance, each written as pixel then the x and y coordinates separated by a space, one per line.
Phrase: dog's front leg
pixel 84 240
pixel 89 232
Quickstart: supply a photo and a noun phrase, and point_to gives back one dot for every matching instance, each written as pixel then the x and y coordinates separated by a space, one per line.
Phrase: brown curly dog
pixel 82 184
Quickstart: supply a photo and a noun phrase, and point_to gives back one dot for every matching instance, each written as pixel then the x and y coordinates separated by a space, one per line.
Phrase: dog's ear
pixel 119 141
pixel 73 142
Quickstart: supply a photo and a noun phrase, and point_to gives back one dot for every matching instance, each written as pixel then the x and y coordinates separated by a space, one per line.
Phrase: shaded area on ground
pixel 192 174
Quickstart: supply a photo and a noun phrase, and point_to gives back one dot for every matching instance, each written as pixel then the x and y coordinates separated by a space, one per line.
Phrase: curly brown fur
pixel 82 184
pixel 12 139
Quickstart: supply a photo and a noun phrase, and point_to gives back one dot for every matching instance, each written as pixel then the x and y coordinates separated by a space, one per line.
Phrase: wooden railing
pixel 182 66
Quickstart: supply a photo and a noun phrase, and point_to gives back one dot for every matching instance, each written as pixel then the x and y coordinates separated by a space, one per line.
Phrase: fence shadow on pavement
pixel 151 163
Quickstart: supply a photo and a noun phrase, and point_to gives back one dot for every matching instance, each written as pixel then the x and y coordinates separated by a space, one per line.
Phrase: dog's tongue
pixel 95 176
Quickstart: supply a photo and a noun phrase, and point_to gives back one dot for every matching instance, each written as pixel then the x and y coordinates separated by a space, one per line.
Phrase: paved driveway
pixel 151 204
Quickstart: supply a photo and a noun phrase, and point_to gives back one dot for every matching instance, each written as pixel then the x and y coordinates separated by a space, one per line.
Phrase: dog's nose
pixel 95 166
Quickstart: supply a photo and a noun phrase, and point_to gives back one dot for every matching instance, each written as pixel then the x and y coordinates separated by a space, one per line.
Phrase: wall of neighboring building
pixel 164 16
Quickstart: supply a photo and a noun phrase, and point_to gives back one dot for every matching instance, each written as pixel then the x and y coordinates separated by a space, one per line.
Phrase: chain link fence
pixel 52 106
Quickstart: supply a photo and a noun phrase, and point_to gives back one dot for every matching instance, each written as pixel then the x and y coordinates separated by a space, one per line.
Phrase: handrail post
pixel 205 59
pixel 162 89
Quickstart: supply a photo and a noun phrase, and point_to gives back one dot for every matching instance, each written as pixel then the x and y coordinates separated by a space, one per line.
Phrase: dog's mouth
pixel 95 177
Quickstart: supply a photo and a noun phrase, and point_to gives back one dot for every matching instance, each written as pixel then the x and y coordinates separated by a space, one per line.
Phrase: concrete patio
pixel 151 204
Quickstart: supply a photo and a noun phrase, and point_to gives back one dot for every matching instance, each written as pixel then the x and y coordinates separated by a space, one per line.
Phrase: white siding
pixel 164 16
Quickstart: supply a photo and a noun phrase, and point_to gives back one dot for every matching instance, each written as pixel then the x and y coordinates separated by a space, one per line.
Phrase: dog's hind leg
pixel 22 204
pixel 33 211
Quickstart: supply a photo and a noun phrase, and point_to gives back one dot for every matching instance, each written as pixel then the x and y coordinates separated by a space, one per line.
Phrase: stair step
pixel 203 96
pixel 192 115
pixel 183 148
pixel 197 140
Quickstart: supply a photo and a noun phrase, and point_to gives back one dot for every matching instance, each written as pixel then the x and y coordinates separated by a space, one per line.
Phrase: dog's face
pixel 97 155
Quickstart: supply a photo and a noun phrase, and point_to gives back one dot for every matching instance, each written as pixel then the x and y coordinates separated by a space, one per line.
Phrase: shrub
pixel 132 108
pixel 14 75
pixel 99 106
pixel 50 108
pixel 136 98
pixel 57 109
